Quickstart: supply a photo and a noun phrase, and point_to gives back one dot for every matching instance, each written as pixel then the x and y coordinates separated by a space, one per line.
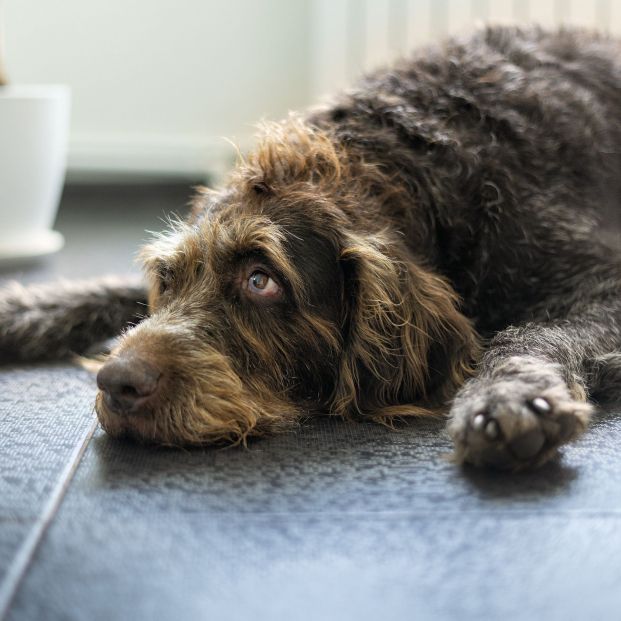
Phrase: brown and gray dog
pixel 427 242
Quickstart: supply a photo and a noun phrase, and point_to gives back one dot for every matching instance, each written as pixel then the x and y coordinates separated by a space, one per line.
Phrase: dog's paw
pixel 510 422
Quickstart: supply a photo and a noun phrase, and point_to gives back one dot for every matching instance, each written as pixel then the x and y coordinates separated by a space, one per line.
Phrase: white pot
pixel 34 130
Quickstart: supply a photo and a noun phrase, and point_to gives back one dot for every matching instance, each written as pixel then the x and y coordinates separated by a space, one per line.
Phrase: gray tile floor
pixel 336 521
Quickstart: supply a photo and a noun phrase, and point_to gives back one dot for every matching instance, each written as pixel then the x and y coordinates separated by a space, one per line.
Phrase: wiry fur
pixel 51 321
pixel 449 202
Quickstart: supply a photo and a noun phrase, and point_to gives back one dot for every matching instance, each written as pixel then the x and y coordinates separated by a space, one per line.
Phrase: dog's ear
pixel 406 345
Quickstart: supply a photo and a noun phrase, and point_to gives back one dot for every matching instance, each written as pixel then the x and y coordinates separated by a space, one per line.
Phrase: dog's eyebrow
pixel 169 247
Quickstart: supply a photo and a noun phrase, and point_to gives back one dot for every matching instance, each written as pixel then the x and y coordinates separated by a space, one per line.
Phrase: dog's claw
pixel 478 423
pixel 492 430
pixel 540 405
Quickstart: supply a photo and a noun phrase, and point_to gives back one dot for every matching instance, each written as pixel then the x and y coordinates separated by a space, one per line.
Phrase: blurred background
pixel 157 84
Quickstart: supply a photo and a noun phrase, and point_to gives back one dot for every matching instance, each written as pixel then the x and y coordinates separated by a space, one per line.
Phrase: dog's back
pixel 510 142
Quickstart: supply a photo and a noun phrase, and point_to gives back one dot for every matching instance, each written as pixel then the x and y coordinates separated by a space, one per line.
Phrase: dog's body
pixel 360 261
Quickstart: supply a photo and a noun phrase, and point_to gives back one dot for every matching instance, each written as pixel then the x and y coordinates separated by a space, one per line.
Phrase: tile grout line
pixel 26 552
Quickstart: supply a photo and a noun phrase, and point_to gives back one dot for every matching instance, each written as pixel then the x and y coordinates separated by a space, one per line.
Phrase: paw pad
pixel 504 426
pixel 528 445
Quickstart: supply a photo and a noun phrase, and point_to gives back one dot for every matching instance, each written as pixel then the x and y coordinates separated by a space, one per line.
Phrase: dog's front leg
pixel 530 394
pixel 55 320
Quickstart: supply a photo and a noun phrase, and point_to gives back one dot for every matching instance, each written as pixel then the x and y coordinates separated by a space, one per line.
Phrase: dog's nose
pixel 128 384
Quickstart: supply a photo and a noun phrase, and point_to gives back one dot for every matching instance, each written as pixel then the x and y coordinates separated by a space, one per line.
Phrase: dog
pixel 425 243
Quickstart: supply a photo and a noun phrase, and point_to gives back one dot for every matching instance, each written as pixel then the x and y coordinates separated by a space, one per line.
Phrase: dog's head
pixel 288 290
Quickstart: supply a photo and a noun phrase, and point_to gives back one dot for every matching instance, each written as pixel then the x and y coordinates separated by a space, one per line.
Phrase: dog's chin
pixel 150 428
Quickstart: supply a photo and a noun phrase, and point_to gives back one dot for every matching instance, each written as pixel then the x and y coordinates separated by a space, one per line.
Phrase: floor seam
pixel 28 549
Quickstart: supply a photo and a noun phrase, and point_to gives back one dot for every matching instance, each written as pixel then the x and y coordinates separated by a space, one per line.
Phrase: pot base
pixel 30 247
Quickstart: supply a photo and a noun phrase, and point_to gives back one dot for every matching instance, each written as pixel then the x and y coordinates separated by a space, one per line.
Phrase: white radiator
pixel 352 36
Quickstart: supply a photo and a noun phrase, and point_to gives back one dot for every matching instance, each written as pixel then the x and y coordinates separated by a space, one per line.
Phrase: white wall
pixel 158 83
pixel 351 36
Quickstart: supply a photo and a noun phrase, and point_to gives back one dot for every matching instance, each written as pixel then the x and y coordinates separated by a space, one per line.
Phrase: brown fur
pixel 393 344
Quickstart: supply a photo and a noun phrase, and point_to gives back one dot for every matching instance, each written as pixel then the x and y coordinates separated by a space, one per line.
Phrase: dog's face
pixel 279 296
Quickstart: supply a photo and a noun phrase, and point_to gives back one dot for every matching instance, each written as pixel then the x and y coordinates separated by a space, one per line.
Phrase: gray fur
pixel 52 321
pixel 509 143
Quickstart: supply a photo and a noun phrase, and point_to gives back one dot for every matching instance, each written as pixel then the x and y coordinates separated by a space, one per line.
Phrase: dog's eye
pixel 263 284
